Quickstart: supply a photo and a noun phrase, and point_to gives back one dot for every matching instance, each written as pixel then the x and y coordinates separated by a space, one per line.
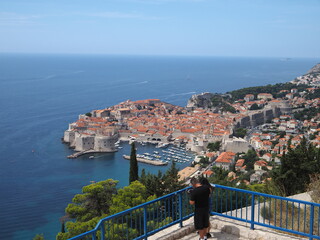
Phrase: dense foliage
pixel 255 107
pixel 219 101
pixel 214 146
pixel 162 184
pixel 94 201
pixel 250 158
pixel 298 164
pixel 240 132
pixel 307 113
pixel 313 95
pixel 86 211
pixel 39 237
pixel 220 176
pixel 272 89
pixel 130 196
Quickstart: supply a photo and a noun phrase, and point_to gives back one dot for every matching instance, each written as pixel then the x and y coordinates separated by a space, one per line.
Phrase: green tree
pixel 130 196
pixel 63 229
pixel 39 237
pixel 240 132
pixel 204 161
pixel 162 184
pixel 292 176
pixel 220 176
pixel 126 198
pixel 94 201
pixel 171 181
pixel 133 174
pixel 76 228
pixel 282 134
pixel 219 101
pixel 214 146
pixel 153 183
pixel 88 114
pixel 254 107
pixel 250 158
pixel 273 89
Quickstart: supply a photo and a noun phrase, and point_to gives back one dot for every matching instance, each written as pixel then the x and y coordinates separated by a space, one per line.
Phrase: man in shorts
pixel 200 199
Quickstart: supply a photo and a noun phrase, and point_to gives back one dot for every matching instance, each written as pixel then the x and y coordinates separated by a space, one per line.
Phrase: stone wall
pixel 236 145
pixel 84 143
pixel 271 111
pixel 105 143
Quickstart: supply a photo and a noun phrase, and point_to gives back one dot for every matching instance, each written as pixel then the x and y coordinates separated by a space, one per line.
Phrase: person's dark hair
pixel 204 181
pixel 194 181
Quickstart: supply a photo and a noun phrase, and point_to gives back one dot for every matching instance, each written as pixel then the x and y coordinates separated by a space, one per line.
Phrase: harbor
pixel 148 153
pixel 148 161
pixel 164 155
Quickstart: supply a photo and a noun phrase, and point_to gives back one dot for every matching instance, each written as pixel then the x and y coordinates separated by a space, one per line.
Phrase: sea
pixel 41 94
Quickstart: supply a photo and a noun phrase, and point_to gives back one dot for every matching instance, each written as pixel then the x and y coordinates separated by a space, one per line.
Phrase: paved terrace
pixel 222 228
pixel 228 229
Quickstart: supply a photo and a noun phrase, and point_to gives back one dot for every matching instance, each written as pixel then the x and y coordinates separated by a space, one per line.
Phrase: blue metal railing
pixel 285 214
pixel 143 220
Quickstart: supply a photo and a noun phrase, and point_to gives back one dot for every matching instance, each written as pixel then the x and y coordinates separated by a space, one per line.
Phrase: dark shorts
pixel 201 218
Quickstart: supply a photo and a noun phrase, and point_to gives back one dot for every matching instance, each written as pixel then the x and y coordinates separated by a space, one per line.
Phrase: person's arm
pixel 192 198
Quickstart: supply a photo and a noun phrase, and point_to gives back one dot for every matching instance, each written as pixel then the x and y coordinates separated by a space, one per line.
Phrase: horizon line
pixel 285 58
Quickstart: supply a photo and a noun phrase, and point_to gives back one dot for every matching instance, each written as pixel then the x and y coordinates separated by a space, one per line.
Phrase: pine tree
pixel 133 174
pixel 63 229
pixel 171 180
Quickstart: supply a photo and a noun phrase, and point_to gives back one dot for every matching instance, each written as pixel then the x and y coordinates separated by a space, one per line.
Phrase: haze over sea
pixel 41 94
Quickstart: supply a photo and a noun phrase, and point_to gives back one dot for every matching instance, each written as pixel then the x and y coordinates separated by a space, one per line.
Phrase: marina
pixel 172 153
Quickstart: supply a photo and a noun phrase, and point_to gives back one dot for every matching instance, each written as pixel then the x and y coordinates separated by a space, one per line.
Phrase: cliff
pixel 315 69
pixel 216 102
pixel 203 100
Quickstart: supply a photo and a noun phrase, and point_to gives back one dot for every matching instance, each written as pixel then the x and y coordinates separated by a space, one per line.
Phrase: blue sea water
pixel 41 94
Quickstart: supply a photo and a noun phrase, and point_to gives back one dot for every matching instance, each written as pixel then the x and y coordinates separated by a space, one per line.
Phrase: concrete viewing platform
pixel 224 229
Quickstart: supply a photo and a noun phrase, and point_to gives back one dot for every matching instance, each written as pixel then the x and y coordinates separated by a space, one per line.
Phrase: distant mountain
pixel 315 69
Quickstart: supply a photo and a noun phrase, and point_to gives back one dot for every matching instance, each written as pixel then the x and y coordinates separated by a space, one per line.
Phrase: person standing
pixel 200 199
pixel 204 181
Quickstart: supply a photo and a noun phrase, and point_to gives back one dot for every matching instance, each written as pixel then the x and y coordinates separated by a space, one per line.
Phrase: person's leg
pixel 208 228
pixel 201 220
pixel 202 233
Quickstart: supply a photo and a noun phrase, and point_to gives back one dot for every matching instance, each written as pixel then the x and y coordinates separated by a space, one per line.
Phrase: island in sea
pixel 207 118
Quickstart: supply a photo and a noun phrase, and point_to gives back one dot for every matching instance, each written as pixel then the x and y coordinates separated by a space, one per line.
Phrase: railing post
pixel 145 227
pixel 252 211
pixel 311 220
pixel 180 208
pixel 102 231
pixel 94 236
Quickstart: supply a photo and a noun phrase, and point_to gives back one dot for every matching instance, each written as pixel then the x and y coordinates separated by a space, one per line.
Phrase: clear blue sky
pixel 270 28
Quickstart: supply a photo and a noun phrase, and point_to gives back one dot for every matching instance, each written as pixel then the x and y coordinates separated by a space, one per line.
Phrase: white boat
pixel 91 157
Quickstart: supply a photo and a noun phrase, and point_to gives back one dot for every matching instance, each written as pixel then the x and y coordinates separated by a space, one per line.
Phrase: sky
pixel 252 28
